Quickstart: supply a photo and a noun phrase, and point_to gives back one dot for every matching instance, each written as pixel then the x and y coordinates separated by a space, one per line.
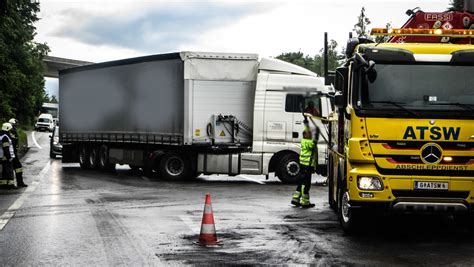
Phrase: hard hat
pixel 7 127
pixel 13 121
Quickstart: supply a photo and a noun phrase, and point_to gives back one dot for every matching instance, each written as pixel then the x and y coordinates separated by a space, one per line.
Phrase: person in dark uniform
pixel 17 167
pixel 308 161
pixel 7 155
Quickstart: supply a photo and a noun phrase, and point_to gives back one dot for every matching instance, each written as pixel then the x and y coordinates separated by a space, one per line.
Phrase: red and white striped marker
pixel 208 236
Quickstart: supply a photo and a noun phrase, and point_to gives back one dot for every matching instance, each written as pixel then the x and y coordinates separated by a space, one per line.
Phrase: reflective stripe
pixel 19 170
pixel 5 144
pixel 302 190
pixel 304 199
pixel 296 195
pixel 207 209
pixel 11 182
pixel 208 229
pixel 3 182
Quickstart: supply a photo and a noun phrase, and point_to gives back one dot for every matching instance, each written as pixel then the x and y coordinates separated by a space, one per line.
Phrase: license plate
pixel 431 185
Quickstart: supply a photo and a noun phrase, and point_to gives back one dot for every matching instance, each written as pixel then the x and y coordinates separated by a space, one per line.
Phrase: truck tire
pixel 346 214
pixel 175 166
pixel 104 163
pixel 83 157
pixel 93 158
pixel 288 168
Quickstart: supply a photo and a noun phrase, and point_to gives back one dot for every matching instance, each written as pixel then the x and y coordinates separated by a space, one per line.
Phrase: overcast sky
pixel 103 30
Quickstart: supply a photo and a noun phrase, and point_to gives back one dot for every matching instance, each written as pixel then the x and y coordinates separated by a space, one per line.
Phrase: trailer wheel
pixel 83 155
pixel 175 166
pixel 93 158
pixel 288 168
pixel 104 163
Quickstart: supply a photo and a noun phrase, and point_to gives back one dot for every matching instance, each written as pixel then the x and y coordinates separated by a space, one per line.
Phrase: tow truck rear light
pixel 460 33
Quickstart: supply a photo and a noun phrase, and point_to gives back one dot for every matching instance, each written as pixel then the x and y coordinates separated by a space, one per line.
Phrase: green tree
pixel 361 27
pixel 21 68
pixel 456 5
pixel 316 63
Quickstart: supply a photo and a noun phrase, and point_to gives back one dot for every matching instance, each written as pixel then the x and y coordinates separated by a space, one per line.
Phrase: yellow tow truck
pixel 402 136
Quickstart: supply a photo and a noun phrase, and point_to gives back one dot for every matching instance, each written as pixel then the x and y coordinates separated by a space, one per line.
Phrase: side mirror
pixel 339 100
pixel 371 72
pixel 340 79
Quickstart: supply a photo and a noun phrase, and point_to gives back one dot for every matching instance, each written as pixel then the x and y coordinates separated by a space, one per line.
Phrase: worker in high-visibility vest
pixel 308 161
pixel 7 155
pixel 17 167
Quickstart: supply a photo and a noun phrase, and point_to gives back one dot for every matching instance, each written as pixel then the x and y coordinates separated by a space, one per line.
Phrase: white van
pixel 45 122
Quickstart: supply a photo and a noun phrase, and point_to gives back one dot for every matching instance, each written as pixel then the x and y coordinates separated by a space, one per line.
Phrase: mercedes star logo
pixel 431 153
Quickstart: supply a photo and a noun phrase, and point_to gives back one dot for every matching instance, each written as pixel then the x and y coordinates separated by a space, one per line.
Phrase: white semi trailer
pixel 183 114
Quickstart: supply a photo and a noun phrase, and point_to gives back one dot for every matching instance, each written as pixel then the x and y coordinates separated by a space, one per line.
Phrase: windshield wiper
pixel 398 105
pixel 465 106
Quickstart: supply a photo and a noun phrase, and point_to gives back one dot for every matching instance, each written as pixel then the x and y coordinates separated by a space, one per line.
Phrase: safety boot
pixel 19 180
pixel 296 199
pixel 304 202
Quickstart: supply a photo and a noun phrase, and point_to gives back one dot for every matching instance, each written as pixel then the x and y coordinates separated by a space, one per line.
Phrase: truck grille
pixel 415 145
pixel 430 194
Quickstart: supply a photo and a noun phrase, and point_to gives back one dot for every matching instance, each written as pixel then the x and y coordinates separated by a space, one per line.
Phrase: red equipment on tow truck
pixel 436 20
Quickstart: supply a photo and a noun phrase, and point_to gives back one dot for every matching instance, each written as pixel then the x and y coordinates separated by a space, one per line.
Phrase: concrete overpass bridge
pixel 52 65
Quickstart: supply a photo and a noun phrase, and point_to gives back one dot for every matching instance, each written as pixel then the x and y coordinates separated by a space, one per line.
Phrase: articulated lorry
pixel 402 136
pixel 190 113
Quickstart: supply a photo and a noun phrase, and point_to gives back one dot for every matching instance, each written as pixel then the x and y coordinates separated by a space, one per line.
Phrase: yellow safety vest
pixel 308 153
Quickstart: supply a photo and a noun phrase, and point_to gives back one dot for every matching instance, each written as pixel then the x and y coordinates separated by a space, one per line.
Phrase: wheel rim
pixel 174 166
pixel 292 168
pixel 82 156
pixel 92 157
pixel 103 158
pixel 345 207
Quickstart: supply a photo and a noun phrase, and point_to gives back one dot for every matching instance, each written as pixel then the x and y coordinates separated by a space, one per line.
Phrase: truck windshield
pixel 417 88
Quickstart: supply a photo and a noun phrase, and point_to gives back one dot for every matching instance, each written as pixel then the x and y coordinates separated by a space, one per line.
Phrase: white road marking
pixel 191 225
pixel 34 140
pixel 10 212
pixel 251 179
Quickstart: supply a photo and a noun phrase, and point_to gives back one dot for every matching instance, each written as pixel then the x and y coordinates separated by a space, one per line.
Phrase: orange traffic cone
pixel 208 236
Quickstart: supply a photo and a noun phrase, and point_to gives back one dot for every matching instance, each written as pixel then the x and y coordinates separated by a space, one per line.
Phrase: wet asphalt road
pixel 73 217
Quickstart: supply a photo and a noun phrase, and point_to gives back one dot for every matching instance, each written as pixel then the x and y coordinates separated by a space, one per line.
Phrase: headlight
pixel 369 183
pixel 55 140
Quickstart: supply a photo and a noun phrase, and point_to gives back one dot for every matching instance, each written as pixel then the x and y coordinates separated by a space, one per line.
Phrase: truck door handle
pixel 295 134
pixel 298 122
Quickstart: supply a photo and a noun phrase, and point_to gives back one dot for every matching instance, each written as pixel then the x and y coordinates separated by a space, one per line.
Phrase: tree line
pixel 21 68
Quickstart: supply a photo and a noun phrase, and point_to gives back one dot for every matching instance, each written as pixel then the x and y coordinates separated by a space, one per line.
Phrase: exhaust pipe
pixel 326 60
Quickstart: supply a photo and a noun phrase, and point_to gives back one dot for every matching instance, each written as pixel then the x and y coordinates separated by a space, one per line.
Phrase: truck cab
pixel 403 135
pixel 284 91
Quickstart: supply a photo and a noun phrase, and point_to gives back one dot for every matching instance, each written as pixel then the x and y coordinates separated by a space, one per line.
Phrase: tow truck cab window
pixel 311 104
